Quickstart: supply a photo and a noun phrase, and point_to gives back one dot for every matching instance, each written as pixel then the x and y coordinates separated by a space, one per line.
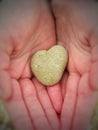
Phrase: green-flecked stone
pixel 48 66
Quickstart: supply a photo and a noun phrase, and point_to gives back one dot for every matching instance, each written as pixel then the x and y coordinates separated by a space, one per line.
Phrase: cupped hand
pixel 23 31
pixel 77 30
pixel 26 27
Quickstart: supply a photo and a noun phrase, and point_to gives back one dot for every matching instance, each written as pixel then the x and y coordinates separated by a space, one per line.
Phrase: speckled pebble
pixel 48 66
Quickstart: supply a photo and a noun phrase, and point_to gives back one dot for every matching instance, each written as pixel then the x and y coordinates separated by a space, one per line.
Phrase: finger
pixel 69 103
pixel 27 70
pixel 33 105
pixel 55 95
pixel 47 106
pixel 85 105
pixel 5 85
pixel 64 83
pixel 17 110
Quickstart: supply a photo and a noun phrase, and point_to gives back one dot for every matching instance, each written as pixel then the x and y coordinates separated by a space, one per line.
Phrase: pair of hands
pixel 29 26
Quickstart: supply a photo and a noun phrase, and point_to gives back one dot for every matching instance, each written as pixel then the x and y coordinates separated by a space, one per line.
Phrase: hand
pixel 26 26
pixel 77 30
pixel 30 107
pixel 24 31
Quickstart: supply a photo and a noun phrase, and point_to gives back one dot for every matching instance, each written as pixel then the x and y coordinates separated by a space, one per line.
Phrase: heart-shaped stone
pixel 48 66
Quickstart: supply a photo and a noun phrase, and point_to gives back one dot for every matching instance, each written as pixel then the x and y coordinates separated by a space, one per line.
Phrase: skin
pixel 31 104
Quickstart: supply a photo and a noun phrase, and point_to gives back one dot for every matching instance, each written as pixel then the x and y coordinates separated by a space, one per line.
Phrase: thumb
pixel 5 80
pixel 5 85
pixel 94 76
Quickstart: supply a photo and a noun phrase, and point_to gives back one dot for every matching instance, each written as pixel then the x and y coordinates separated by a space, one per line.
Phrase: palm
pixel 76 30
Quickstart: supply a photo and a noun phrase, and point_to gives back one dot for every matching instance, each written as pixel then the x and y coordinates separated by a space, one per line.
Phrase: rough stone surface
pixel 48 66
